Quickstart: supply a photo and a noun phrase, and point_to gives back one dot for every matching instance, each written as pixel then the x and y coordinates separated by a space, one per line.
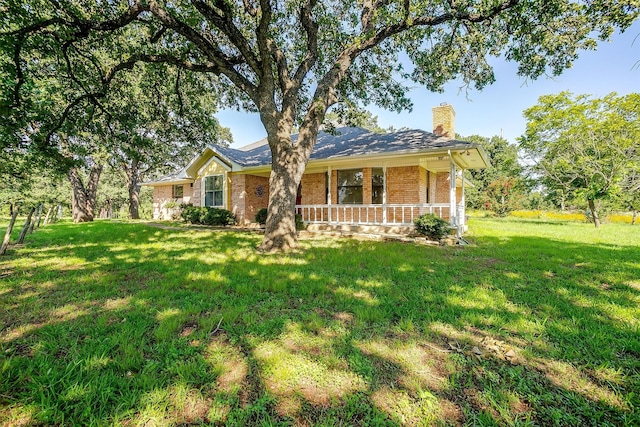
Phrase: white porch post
pixel 329 194
pixel 384 194
pixel 452 193
pixel 463 206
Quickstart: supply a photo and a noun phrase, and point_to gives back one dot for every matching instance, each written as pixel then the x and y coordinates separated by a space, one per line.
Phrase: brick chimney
pixel 444 120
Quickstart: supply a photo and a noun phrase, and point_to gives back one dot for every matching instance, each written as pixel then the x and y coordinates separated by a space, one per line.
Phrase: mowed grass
pixel 115 323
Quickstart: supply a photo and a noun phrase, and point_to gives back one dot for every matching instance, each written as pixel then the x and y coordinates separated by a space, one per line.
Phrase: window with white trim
pixel 350 187
pixel 214 191
pixel 377 185
pixel 178 191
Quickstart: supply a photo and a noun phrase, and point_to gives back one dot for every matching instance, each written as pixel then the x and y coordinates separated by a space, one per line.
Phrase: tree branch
pixel 324 96
pixel 262 37
pixel 212 51
pixel 250 8
pixel 311 28
pixel 224 23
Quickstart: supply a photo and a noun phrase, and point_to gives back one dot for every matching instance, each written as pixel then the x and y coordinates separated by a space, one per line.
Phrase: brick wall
pixel 161 195
pixel 334 187
pixel 402 185
pixel 249 194
pixel 442 189
pixel 314 189
pixel 366 186
pixel 196 198
pixel 238 196
pixel 187 194
pixel 257 196
pixel 422 185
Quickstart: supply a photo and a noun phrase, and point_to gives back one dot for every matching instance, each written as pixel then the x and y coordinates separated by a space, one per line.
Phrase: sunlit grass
pixel 535 323
pixel 621 218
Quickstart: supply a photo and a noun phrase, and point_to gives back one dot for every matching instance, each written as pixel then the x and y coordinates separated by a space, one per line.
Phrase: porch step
pixel 385 230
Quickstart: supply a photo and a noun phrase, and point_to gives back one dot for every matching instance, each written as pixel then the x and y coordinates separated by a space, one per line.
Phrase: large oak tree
pixel 291 60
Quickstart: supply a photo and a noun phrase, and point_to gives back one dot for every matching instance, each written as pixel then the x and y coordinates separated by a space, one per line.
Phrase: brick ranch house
pixel 377 182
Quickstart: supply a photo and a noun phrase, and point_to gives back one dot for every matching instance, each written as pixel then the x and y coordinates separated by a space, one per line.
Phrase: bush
pixel 190 213
pixel 215 216
pixel 207 216
pixel 300 225
pixel 261 216
pixel 432 226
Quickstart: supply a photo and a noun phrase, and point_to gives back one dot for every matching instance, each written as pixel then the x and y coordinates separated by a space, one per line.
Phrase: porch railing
pixel 386 214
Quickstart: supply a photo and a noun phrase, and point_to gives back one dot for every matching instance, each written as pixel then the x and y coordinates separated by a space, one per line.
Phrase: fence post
pixel 37 219
pixel 7 234
pixel 46 218
pixel 23 233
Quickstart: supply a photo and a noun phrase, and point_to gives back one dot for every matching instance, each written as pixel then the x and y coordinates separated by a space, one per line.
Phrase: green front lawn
pixel 116 323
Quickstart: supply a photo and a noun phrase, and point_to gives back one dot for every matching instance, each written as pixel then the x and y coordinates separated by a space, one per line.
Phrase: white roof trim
pixel 168 182
pixel 213 158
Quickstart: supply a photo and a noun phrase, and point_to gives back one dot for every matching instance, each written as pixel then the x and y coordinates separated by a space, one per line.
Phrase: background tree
pixel 630 190
pixel 501 187
pixel 348 114
pixel 583 144
pixel 153 119
pixel 158 119
pixel 26 183
pixel 113 197
pixel 292 60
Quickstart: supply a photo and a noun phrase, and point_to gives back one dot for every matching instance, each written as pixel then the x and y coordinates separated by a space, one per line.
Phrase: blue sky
pixel 614 67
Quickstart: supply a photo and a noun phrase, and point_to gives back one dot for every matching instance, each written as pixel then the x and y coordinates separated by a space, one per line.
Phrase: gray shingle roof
pixel 351 141
pixel 346 142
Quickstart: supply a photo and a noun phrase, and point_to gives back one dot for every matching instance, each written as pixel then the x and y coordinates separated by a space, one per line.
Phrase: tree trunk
pixel 280 229
pixel 7 234
pixel 134 190
pixel 594 213
pixel 83 198
pixel 23 233
pixel 289 159
pixel 634 215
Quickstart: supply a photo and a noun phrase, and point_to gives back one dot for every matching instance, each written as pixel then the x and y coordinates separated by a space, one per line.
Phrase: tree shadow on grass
pixel 115 326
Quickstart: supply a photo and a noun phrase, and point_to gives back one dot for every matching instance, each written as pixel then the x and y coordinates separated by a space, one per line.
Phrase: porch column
pixel 452 193
pixel 329 194
pixel 384 194
pixel 463 207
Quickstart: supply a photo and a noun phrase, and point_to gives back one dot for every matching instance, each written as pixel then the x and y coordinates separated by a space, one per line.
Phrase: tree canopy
pixel 589 146
pixel 292 60
pixel 500 187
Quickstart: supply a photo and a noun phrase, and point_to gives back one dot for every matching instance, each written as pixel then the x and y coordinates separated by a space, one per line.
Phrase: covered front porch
pixel 387 195
pixel 385 214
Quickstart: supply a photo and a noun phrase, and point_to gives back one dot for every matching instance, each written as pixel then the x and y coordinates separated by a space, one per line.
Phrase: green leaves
pixel 584 145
